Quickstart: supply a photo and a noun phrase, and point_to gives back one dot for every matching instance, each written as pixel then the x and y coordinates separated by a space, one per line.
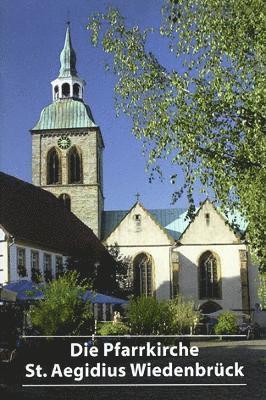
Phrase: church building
pixel 205 260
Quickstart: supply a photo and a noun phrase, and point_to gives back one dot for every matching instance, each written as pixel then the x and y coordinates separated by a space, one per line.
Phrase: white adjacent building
pixel 38 233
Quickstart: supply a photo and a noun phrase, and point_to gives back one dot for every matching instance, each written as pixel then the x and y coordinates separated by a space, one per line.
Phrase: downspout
pixel 8 255
pixel 171 268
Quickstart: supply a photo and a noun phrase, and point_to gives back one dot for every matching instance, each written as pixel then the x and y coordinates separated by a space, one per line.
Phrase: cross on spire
pixel 68 16
pixel 137 196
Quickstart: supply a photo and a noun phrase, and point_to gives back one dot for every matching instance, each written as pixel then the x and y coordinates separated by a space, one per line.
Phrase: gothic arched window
pixel 53 167
pixel 143 275
pixel 65 200
pixel 209 276
pixel 75 166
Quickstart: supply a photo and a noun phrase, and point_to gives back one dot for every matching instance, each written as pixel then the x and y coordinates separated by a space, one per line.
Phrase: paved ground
pixel 251 354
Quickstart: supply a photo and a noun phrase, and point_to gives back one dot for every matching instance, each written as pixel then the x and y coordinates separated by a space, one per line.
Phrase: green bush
pixel 182 315
pixel 227 324
pixel 148 316
pixel 62 311
pixel 113 329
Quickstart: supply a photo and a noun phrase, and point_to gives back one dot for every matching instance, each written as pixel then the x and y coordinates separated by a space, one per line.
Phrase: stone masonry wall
pixel 86 198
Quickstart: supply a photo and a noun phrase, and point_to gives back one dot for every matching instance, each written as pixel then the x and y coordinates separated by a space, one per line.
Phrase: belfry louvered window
pixel 53 167
pixel 75 166
pixel 76 90
pixel 209 277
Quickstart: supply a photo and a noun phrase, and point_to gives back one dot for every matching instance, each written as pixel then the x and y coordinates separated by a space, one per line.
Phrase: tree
pixel 100 276
pixel 62 311
pixel 207 116
pixel 148 316
pixel 183 315
pixel 123 272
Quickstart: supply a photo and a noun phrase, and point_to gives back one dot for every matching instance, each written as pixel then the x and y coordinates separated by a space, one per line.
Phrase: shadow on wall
pixel 163 291
pixel 231 295
pixel 189 281
pixel 260 318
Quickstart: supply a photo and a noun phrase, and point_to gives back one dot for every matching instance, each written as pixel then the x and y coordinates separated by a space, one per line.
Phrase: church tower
pixel 67 146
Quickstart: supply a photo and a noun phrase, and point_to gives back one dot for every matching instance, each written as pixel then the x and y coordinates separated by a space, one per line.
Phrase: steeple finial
pixel 137 196
pixel 67 57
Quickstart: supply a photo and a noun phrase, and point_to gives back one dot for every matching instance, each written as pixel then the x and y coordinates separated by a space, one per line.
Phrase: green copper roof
pixel 67 58
pixel 172 219
pixel 67 113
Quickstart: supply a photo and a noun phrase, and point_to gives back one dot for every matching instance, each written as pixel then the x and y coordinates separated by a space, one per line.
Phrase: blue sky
pixel 31 38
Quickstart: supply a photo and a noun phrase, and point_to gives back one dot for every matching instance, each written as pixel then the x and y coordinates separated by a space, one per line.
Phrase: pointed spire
pixel 68 85
pixel 67 57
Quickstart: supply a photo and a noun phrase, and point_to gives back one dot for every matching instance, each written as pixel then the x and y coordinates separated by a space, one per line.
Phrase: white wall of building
pixel 134 238
pixel 14 276
pixel 210 232
pixel 230 273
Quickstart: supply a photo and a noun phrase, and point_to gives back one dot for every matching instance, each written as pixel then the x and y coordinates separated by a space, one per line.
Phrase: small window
pixel 35 267
pixel 35 260
pixel 65 200
pixel 207 219
pixel 47 267
pixel 21 262
pixel 56 92
pixel 65 90
pixel 137 219
pixel 96 268
pixel 59 268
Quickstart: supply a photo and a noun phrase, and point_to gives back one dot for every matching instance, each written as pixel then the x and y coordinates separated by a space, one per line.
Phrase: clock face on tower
pixel 64 142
